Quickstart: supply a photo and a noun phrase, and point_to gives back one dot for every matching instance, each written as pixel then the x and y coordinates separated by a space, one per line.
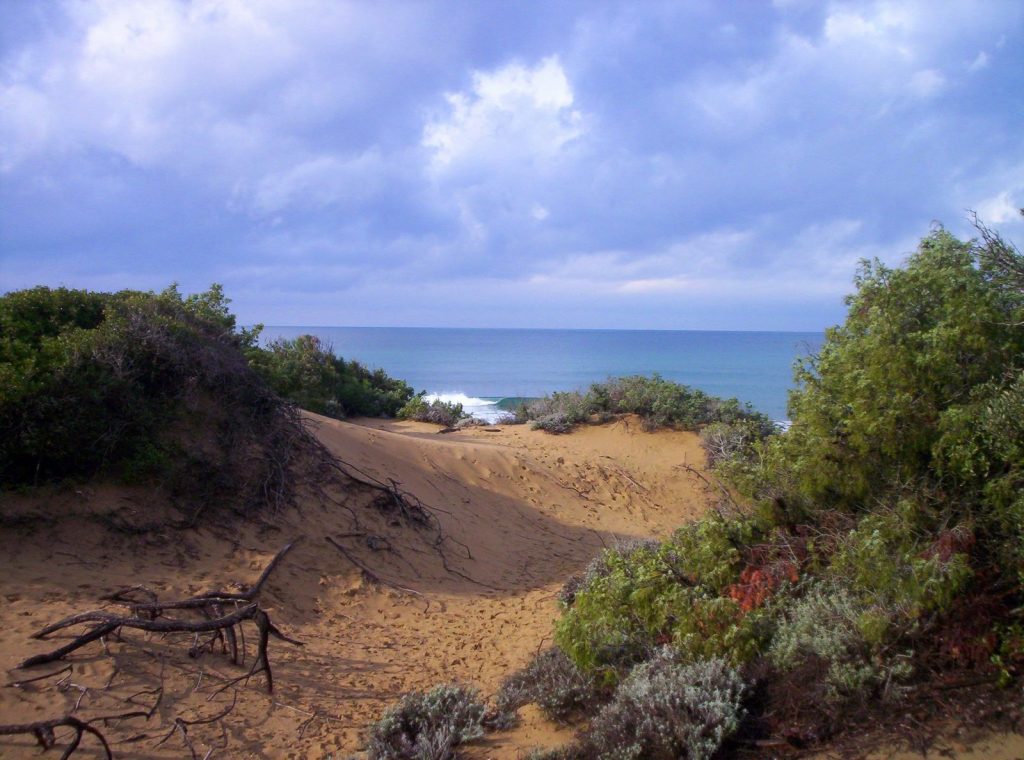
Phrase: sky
pixel 666 165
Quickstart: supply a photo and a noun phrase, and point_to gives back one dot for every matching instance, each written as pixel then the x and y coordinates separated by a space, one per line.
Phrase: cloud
pixel 650 157
pixel 981 61
pixel 508 116
pixel 1002 208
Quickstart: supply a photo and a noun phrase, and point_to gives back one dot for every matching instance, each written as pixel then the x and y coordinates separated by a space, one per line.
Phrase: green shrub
pixel 674 593
pixel 665 710
pixel 660 403
pixel 890 566
pixel 427 725
pixel 145 387
pixel 559 412
pixel 663 403
pixel 438 412
pixel 92 380
pixel 306 372
pixel 552 682
pixel 600 567
pixel 894 395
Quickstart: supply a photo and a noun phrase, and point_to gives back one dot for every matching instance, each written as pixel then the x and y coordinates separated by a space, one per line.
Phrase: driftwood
pixel 43 731
pixel 151 615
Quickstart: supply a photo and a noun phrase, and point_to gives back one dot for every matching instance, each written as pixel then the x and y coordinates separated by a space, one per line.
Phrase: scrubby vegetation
pixel 551 681
pixel 307 372
pixel 876 555
pixel 142 386
pixel 665 710
pixel 427 725
pixel 438 412
pixel 892 505
pixel 658 402
pixel 161 387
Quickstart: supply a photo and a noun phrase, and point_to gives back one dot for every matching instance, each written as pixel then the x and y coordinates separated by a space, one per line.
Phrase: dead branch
pixel 367 572
pixel 182 725
pixel 19 684
pixel 151 616
pixel 42 730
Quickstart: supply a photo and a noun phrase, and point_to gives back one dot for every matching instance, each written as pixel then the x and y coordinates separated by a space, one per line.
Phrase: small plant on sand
pixel 437 411
pixel 552 682
pixel 427 725
pixel 559 412
pixel 666 710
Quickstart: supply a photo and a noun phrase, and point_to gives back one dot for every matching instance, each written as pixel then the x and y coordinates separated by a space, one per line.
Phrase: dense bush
pixel 659 402
pixel 427 725
pixel 887 523
pixel 438 412
pixel 675 593
pixel 599 567
pixel 828 623
pixel 148 386
pixel 307 372
pixel 665 710
pixel 100 382
pixel 895 395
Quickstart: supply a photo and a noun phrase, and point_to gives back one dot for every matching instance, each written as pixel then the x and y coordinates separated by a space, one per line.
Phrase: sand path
pixel 522 511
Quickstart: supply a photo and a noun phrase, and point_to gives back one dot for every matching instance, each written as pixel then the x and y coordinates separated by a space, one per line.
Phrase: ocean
pixel 480 367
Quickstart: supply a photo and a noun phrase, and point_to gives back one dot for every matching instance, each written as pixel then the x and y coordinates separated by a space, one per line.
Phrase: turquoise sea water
pixel 481 366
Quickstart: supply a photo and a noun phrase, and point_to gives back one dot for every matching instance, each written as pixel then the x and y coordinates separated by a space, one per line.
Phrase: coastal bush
pixel 91 379
pixel 880 538
pixel 659 403
pixel 144 387
pixel 665 709
pixel 599 567
pixel 674 593
pixel 827 623
pixel 307 372
pixel 726 441
pixel 891 567
pixel 427 725
pixel 552 682
pixel 888 398
pixel 558 413
pixel 438 412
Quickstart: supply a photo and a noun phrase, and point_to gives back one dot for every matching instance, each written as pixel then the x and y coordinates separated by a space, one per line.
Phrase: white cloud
pixel 981 61
pixel 1000 209
pixel 511 115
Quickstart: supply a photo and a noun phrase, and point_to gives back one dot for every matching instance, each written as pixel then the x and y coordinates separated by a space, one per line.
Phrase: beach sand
pixel 521 511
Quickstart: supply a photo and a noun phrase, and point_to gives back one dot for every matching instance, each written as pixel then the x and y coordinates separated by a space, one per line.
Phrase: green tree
pixel 920 345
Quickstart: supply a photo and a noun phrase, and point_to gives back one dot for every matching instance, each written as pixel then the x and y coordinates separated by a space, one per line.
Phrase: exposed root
pixel 151 616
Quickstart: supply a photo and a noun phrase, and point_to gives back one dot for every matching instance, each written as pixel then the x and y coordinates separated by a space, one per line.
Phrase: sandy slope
pixel 522 511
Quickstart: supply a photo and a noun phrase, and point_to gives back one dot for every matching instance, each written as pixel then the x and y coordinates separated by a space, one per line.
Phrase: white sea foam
pixel 481 408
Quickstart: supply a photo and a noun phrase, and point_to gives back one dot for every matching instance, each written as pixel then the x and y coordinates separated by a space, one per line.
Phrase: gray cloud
pixel 662 164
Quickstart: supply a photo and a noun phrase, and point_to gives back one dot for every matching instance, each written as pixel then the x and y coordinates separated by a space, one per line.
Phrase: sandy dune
pixel 521 511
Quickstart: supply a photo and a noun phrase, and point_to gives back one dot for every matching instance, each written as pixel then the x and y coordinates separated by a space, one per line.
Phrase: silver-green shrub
pixel 666 710
pixel 427 725
pixel 552 682
pixel 828 623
